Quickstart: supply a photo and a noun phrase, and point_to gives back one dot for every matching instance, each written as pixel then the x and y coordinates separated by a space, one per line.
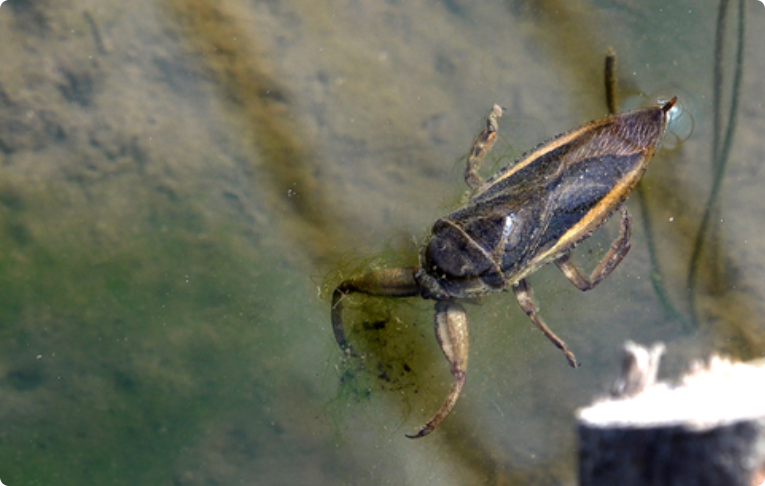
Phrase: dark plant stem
pixel 720 152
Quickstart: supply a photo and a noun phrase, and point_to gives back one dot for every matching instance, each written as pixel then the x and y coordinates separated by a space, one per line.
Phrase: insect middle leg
pixel 619 249
pixel 525 296
pixel 481 146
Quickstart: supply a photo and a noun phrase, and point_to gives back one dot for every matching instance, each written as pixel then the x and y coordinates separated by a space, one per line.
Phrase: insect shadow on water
pixel 531 213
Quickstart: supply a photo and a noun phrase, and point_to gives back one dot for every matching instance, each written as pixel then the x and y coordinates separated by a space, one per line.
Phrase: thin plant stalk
pixel 720 151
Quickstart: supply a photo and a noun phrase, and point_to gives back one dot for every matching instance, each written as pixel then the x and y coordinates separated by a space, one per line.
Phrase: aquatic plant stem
pixel 720 152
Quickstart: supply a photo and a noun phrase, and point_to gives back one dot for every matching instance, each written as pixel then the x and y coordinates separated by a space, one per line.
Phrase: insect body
pixel 528 215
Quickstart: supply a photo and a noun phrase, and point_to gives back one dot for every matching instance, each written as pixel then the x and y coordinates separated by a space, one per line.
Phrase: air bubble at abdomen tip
pixel 680 124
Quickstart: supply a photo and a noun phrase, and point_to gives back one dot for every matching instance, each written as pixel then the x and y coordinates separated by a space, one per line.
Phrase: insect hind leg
pixel 619 249
pixel 610 81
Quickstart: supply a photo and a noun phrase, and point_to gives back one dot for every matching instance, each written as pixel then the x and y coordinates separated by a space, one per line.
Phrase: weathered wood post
pixel 708 430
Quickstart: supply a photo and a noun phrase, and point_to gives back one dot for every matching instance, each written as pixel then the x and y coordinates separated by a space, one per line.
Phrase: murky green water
pixel 182 184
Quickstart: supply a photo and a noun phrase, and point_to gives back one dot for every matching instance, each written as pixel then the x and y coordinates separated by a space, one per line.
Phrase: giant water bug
pixel 531 213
